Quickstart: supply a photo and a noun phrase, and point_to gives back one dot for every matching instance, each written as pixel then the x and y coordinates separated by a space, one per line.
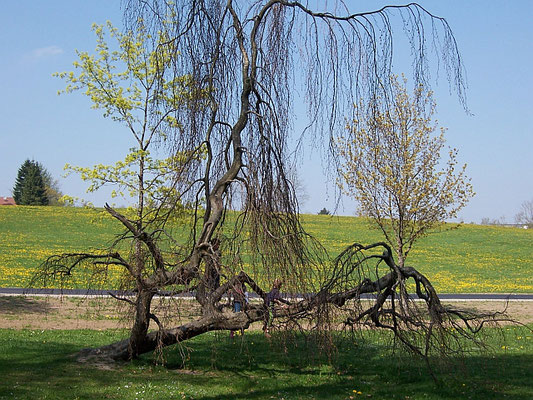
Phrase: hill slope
pixel 470 259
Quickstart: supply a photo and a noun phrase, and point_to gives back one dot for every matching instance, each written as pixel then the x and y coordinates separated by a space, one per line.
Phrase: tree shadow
pixel 367 366
pixel 13 305
pixel 40 364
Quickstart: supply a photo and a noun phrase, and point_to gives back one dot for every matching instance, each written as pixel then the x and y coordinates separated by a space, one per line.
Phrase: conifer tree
pixel 29 186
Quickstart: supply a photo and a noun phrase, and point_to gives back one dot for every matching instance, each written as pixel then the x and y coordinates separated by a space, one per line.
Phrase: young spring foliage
pixel 391 165
pixel 133 86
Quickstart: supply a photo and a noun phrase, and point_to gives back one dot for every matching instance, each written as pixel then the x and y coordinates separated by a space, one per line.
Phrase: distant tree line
pixel 524 217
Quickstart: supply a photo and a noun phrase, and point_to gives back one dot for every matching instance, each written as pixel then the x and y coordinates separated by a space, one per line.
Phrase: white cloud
pixel 46 52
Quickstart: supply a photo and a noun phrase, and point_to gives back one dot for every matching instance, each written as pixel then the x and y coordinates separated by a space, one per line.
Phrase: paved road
pixel 86 292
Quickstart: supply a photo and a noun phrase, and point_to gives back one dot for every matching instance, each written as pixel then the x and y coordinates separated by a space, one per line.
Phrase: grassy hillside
pixel 28 235
pixel 468 259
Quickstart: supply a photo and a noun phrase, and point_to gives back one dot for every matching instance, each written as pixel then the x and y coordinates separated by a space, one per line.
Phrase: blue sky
pixel 495 39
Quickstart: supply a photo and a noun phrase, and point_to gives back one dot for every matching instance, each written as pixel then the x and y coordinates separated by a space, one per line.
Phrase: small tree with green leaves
pixel 30 189
pixel 132 85
pixel 52 189
pixel 391 167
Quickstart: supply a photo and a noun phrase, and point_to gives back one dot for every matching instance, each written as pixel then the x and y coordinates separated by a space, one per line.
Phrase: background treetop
pixel 36 186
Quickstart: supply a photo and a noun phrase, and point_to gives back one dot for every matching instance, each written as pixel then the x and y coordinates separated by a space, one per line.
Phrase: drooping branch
pixel 241 62
pixel 62 267
pixel 385 311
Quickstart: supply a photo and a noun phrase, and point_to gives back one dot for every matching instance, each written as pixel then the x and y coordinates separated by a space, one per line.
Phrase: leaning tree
pixel 249 63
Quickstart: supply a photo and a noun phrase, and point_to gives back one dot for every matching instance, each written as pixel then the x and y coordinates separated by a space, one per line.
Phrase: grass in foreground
pixel 38 365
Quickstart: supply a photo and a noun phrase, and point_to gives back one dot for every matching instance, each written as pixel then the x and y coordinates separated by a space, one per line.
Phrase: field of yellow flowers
pixel 469 259
pixel 466 259
pixel 28 235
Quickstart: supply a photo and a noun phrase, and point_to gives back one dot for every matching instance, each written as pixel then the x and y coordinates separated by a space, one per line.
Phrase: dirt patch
pixel 521 311
pixel 13 305
pixel 65 312
pixel 50 312
pixel 43 312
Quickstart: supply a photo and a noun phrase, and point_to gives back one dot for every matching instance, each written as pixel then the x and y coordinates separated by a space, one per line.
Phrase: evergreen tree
pixel 29 186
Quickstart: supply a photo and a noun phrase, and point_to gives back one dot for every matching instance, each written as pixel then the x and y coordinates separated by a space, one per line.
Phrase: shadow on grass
pixel 13 305
pixel 299 369
pixel 38 364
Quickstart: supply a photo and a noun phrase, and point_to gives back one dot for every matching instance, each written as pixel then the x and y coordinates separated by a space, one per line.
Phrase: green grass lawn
pixel 38 365
pixel 471 259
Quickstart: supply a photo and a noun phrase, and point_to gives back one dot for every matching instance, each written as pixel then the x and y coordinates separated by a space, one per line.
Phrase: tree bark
pixel 121 350
pixel 139 331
